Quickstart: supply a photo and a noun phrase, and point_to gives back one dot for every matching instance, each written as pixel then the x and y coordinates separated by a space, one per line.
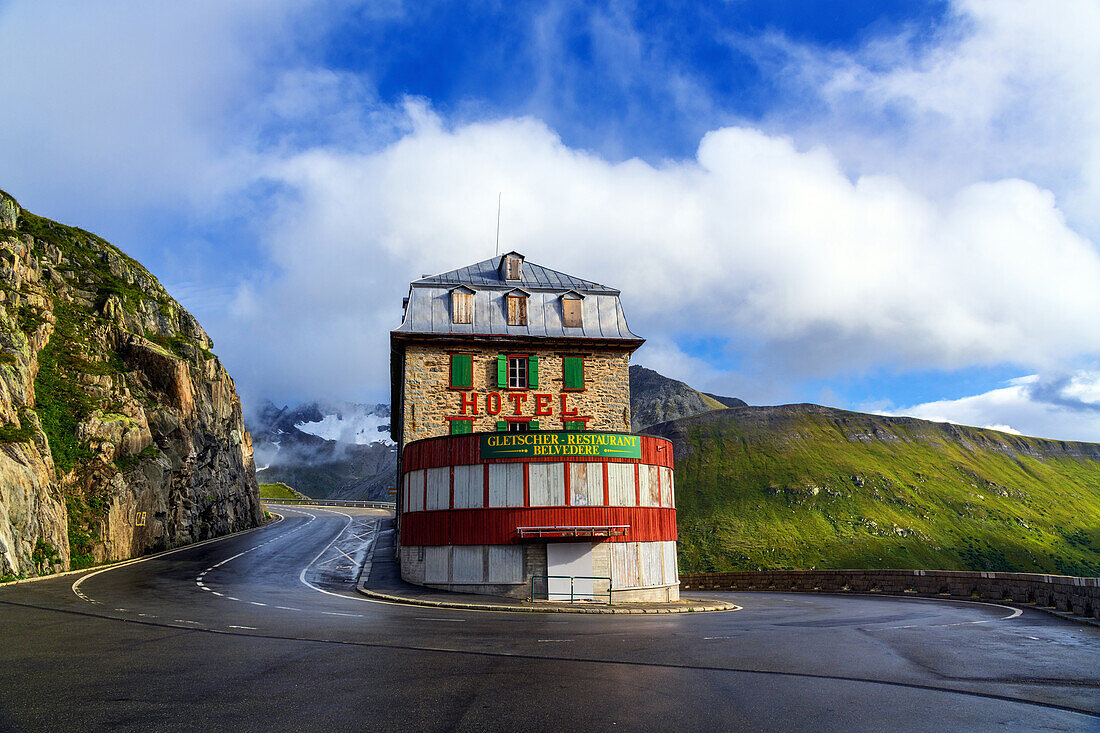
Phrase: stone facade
pixel 429 400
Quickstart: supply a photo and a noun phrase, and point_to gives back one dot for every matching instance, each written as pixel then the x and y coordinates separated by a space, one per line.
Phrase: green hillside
pixel 802 486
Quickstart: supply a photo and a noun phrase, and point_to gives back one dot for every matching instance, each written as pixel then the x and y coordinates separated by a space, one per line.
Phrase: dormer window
pixel 571 309
pixel 462 305
pixel 516 301
pixel 511 266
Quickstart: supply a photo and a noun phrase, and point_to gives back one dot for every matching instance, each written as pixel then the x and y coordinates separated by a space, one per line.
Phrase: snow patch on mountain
pixel 360 428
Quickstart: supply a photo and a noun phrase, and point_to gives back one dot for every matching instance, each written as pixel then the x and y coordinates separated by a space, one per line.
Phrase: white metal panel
pixel 416 491
pixel 439 488
pixel 650 562
pixel 624 565
pixel 670 571
pixel 469 486
pixel 573 559
pixel 620 484
pixel 648 489
pixel 546 484
pixel 468 564
pixel 586 484
pixel 666 487
pixel 505 564
pixel 505 484
pixel 435 565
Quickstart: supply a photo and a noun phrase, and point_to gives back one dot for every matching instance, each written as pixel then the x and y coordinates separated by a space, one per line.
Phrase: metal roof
pixel 487 273
pixel 429 307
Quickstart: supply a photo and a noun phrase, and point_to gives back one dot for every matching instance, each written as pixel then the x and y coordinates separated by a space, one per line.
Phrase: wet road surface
pixel 264 631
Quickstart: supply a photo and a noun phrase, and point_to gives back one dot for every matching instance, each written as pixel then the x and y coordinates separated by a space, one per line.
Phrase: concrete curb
pixel 543 609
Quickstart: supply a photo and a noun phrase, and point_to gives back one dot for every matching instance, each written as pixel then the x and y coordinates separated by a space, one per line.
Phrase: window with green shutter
pixel 502 371
pixel 574 424
pixel 462 427
pixel 533 425
pixel 573 372
pixel 462 371
pixel 502 426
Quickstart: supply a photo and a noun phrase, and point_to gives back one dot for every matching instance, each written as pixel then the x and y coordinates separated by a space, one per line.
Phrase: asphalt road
pixel 264 631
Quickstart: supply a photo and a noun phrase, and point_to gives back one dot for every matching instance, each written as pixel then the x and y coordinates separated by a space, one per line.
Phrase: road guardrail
pixel 334 502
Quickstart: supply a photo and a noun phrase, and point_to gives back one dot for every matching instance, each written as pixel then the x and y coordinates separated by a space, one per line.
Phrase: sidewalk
pixel 381 579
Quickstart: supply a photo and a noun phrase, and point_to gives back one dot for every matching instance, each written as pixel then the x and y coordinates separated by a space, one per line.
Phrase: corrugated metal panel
pixel 668 488
pixel 624 565
pixel 652 495
pixel 468 564
pixel 439 488
pixel 497 526
pixel 505 564
pixel 506 484
pixel 650 561
pixel 572 559
pixel 436 568
pixel 620 482
pixel 586 484
pixel 546 484
pixel 671 572
pixel 469 486
pixel 416 491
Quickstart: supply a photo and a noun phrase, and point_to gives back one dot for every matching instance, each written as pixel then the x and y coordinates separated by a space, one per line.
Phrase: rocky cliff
pixel 655 398
pixel 120 432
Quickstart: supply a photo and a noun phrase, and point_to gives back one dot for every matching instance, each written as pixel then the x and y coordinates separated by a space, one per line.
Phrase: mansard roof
pixel 429 305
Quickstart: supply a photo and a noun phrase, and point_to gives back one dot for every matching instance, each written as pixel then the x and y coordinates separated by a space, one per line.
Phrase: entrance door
pixel 570 559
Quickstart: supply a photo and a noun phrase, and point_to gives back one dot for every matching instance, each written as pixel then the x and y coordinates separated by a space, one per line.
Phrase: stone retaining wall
pixel 1080 596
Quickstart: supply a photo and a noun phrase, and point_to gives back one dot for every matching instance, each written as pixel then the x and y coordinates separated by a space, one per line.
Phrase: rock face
pixel 120 432
pixel 654 398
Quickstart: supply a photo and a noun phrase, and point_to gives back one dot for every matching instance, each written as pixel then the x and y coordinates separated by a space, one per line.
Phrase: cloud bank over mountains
pixel 921 202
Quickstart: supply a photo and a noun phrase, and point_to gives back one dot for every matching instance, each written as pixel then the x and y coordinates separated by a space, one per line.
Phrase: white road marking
pixel 257 603
pixel 1015 612
pixel 335 613
pixel 555 641
pixel 250 628
pixel 712 638
pixel 288 608
pixel 185 621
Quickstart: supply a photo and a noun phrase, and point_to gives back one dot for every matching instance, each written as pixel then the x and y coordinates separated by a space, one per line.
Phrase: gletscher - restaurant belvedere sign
pixel 548 444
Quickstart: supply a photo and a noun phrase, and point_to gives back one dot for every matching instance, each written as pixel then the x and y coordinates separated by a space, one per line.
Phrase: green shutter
pixel 502 371
pixel 574 424
pixel 573 372
pixel 533 425
pixel 462 371
pixel 502 427
pixel 461 427
pixel 532 372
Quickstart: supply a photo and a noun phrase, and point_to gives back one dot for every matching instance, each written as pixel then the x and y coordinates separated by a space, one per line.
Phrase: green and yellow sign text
pixel 546 444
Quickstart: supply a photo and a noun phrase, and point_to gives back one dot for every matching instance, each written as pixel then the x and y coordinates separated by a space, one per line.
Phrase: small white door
pixel 572 559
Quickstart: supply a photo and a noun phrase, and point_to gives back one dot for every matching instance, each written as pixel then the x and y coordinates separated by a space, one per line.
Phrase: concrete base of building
pixel 520 572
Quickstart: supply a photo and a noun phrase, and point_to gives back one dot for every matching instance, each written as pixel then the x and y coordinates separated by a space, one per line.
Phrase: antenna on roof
pixel 498 222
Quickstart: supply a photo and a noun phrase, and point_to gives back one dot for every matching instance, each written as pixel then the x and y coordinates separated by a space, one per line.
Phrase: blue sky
pixel 879 206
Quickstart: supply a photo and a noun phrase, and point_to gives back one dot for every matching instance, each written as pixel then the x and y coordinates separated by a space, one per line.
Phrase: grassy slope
pixel 803 486
pixel 278 491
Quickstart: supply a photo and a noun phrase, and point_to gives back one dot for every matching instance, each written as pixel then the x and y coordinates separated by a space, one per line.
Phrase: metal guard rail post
pixel 333 502
pixel 547 578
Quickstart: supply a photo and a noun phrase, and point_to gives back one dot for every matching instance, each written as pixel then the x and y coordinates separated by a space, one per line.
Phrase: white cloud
pixel 1063 407
pixel 1002 88
pixel 754 237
